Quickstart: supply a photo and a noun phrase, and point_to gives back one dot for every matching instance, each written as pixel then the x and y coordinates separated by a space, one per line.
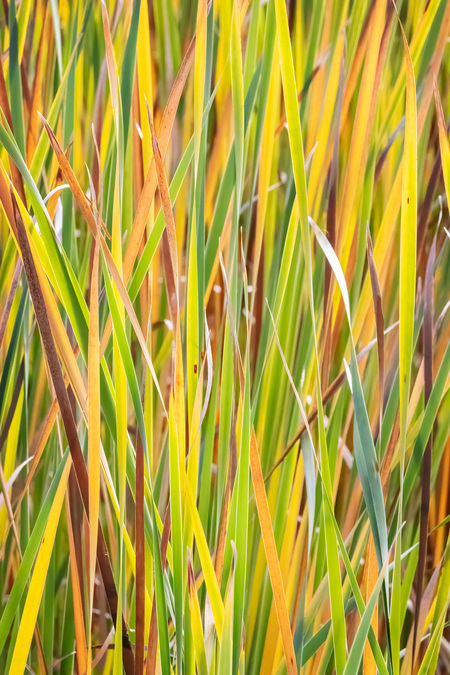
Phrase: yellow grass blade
pixel 31 608
pixel 199 74
pixel 408 237
pixel 207 566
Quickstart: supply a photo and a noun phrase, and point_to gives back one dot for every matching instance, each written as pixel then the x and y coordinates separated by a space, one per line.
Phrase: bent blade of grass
pixel 365 458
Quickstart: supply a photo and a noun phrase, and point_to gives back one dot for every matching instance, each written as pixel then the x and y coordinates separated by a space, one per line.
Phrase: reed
pixel 224 337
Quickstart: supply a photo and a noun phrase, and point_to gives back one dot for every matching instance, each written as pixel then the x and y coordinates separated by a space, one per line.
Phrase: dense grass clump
pixel 224 337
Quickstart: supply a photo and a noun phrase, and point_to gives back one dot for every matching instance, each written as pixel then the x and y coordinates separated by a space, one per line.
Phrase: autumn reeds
pixel 224 337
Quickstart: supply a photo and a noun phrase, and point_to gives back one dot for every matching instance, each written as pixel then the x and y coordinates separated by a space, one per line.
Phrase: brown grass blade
pixel 89 217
